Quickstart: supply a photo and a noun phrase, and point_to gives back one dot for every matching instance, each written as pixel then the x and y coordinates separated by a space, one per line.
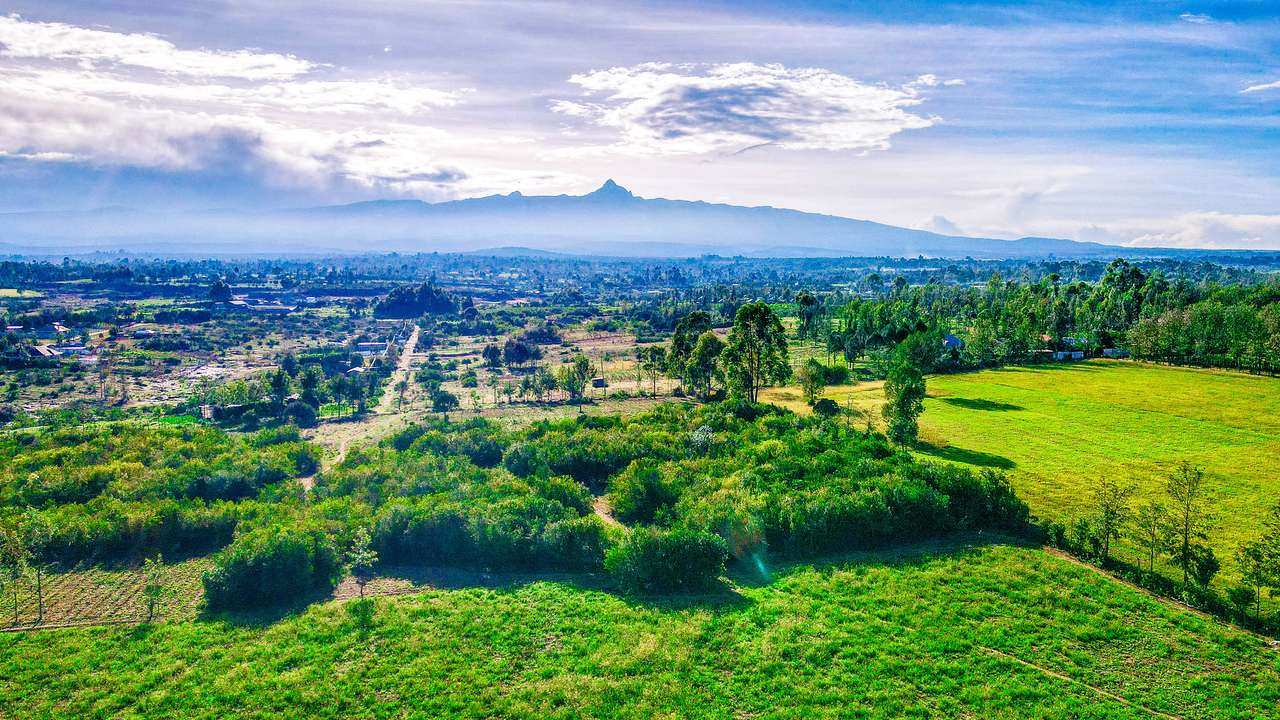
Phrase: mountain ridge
pixel 610 220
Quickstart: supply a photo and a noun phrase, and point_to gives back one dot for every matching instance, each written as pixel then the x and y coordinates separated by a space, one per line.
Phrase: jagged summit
pixel 611 190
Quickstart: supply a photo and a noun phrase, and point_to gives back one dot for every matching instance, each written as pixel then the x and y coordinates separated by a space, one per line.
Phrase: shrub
pixel 578 544
pixel 649 560
pixel 275 436
pixel 301 414
pixel 271 566
pixel 826 407
pixel 640 492
pixel 565 491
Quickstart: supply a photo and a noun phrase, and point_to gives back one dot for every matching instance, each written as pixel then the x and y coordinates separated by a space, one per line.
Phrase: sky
pixel 1146 123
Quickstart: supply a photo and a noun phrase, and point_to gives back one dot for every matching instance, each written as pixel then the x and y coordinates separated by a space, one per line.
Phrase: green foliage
pixel 640 492
pixel 153 588
pixel 650 560
pixel 904 390
pixel 756 354
pixel 270 566
pixel 812 377
pixel 361 558
pixel 411 301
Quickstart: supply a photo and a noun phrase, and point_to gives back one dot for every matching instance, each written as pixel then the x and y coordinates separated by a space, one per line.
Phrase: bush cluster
pixel 270 566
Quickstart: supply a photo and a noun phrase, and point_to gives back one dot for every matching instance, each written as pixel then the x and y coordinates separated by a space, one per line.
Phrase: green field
pixel 1059 429
pixel 952 631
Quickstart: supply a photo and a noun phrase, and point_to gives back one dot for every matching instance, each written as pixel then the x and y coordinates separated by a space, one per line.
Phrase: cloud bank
pixel 659 108
pixel 74 94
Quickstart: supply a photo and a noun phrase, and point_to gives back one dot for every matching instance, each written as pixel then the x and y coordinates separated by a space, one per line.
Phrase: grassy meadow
pixel 940 631
pixel 1058 429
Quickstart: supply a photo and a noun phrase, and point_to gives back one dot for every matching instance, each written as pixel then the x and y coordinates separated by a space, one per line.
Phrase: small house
pixel 70 349
pixel 598 382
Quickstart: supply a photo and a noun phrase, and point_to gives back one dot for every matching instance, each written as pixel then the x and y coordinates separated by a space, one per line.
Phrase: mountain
pixel 609 221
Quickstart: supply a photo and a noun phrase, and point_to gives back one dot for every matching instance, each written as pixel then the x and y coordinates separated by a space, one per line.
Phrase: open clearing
pixel 943 631
pixel 1058 429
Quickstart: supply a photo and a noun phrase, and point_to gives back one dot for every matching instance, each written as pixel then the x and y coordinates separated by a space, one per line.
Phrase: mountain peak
pixel 611 189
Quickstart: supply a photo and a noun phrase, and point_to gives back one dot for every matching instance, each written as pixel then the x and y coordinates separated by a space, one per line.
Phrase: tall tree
pixel 1112 502
pixel 812 376
pixel 704 363
pixel 756 355
pixel 683 339
pixel 14 559
pixel 36 532
pixel 652 359
pixel 1150 524
pixel 1189 515
pixel 904 392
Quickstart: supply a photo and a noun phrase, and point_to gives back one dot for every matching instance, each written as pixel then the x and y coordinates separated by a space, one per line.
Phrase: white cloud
pixel 109 98
pixel 24 39
pixel 1213 230
pixel 660 108
pixel 1265 86
pixel 1196 18
pixel 941 225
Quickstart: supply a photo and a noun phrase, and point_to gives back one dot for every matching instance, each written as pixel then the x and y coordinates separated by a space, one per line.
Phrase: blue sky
pixel 1153 123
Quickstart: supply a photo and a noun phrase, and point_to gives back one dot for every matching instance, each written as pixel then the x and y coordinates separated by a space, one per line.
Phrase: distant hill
pixel 609 221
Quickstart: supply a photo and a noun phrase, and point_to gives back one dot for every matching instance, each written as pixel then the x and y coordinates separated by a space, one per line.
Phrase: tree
pixel 812 377
pixel 14 559
pixel 1257 571
pixel 492 355
pixel 573 378
pixel 1150 524
pixel 362 558
pixel 401 386
pixel 309 381
pixel 279 387
pixel 153 588
pixel 1259 560
pixel 683 341
pixel 1112 502
pixel 756 354
pixel 1189 516
pixel 703 366
pixel 807 306
pixel 904 392
pixel 652 359
pixel 220 292
pixel 36 533
pixel 442 401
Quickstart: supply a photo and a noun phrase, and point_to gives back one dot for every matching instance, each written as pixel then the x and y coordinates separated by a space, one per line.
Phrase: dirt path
pixel 404 371
pixel 601 507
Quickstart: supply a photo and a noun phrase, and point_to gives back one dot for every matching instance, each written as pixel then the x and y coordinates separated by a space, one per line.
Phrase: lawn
pixel 984 631
pixel 1059 429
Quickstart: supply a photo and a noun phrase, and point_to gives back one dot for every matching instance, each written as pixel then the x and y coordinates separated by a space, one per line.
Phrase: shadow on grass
pixel 261 617
pixel 968 457
pixel 906 554
pixel 1039 367
pixel 980 404
pixel 724 597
